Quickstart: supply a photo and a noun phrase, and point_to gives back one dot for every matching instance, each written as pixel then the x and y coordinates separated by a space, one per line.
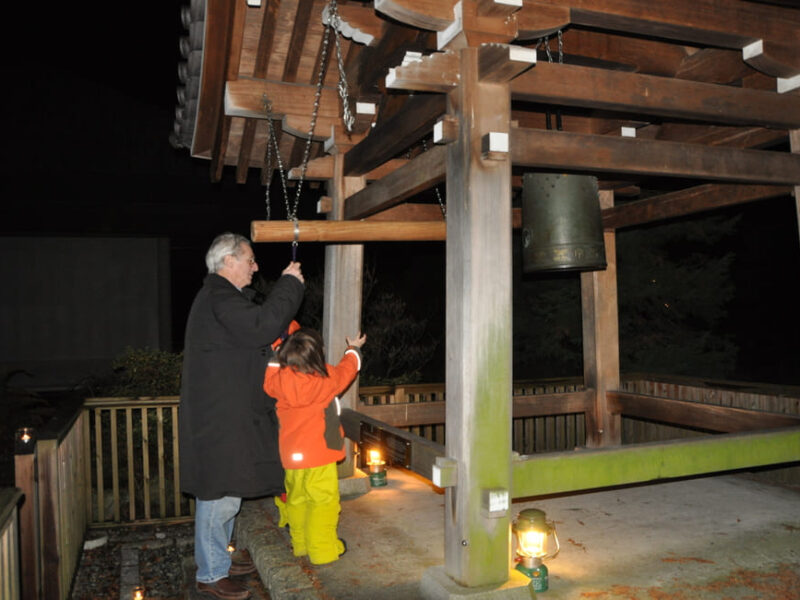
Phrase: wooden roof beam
pixel 420 173
pixel 503 62
pixel 773 58
pixel 540 148
pixel 245 98
pixel 395 134
pixel 684 202
pixel 434 15
pixel 571 85
pixel 322 168
pixel 733 24
pixel 409 211
pixel 367 70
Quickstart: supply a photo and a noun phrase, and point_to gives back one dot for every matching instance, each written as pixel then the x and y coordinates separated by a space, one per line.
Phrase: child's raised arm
pixel 358 341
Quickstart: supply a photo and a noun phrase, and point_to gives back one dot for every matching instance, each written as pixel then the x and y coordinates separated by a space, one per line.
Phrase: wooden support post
pixel 341 315
pixel 478 364
pixel 601 341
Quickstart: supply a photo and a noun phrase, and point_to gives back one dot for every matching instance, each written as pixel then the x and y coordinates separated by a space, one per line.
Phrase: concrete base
pixel 436 585
pixel 715 538
pixel 352 487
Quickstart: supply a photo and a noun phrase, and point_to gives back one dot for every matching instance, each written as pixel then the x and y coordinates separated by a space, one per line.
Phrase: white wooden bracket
pixel 445 131
pixel 444 472
pixel 494 145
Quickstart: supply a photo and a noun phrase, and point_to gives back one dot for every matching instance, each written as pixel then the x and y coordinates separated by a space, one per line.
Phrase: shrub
pixel 141 372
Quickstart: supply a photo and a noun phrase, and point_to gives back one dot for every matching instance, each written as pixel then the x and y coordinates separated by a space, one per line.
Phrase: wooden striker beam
pixel 347 231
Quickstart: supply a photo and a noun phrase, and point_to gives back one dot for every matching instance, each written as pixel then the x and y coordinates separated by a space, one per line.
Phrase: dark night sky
pixel 90 95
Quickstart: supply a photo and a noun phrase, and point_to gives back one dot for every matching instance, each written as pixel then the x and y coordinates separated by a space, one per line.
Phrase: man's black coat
pixel 228 427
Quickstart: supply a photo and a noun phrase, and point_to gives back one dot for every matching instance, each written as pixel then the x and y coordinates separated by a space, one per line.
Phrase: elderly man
pixel 228 426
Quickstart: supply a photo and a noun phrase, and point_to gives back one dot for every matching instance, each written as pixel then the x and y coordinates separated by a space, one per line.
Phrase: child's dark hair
pixel 304 351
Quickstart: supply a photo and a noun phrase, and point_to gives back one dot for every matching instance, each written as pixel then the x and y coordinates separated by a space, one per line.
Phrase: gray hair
pixel 223 245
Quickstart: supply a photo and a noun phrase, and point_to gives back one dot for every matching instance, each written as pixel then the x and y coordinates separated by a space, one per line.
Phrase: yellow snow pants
pixel 312 509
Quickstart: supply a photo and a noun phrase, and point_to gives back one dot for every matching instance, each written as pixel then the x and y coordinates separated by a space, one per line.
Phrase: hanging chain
pixel 436 188
pixel 272 145
pixel 272 141
pixel 334 21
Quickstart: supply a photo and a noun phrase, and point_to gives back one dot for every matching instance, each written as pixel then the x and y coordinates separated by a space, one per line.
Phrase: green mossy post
pixel 478 364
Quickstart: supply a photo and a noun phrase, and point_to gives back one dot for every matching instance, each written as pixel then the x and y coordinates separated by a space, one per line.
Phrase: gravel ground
pixel 165 561
pixel 162 552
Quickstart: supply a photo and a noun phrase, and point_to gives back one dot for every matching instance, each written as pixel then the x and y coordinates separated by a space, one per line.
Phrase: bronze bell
pixel 562 229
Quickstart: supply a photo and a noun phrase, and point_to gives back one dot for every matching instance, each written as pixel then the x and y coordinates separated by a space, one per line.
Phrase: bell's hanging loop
pixel 562 229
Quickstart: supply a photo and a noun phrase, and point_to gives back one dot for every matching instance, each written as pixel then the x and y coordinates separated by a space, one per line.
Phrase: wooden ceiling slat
pixel 554 83
pixel 245 150
pixel 266 39
pixel 583 152
pixel 302 21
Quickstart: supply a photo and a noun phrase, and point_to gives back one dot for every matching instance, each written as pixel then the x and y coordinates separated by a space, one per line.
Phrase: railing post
pixel 25 466
pixel 9 544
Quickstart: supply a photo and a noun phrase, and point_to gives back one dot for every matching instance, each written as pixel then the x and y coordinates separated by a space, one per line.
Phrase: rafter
pixel 435 15
pixel 773 58
pixel 322 168
pixel 395 134
pixel 420 173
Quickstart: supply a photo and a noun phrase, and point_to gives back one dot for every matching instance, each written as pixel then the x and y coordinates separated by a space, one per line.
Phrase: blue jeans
pixel 213 528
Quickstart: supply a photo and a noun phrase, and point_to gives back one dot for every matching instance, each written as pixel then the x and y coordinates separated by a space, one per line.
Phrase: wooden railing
pixel 115 461
pixel 743 406
pixel 9 544
pixel 50 472
pixel 134 471
pixel 420 409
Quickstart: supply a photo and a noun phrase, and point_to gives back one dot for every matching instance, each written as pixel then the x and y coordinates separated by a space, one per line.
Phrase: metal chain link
pixel 272 144
pixel 272 141
pixel 335 22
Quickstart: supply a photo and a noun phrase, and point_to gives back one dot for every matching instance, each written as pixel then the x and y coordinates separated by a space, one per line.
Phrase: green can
pixel 378 478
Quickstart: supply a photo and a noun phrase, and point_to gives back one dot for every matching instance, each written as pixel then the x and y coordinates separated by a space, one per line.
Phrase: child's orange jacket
pixel 308 411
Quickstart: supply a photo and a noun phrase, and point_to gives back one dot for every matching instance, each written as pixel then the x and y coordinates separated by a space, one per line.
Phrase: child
pixel 311 439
